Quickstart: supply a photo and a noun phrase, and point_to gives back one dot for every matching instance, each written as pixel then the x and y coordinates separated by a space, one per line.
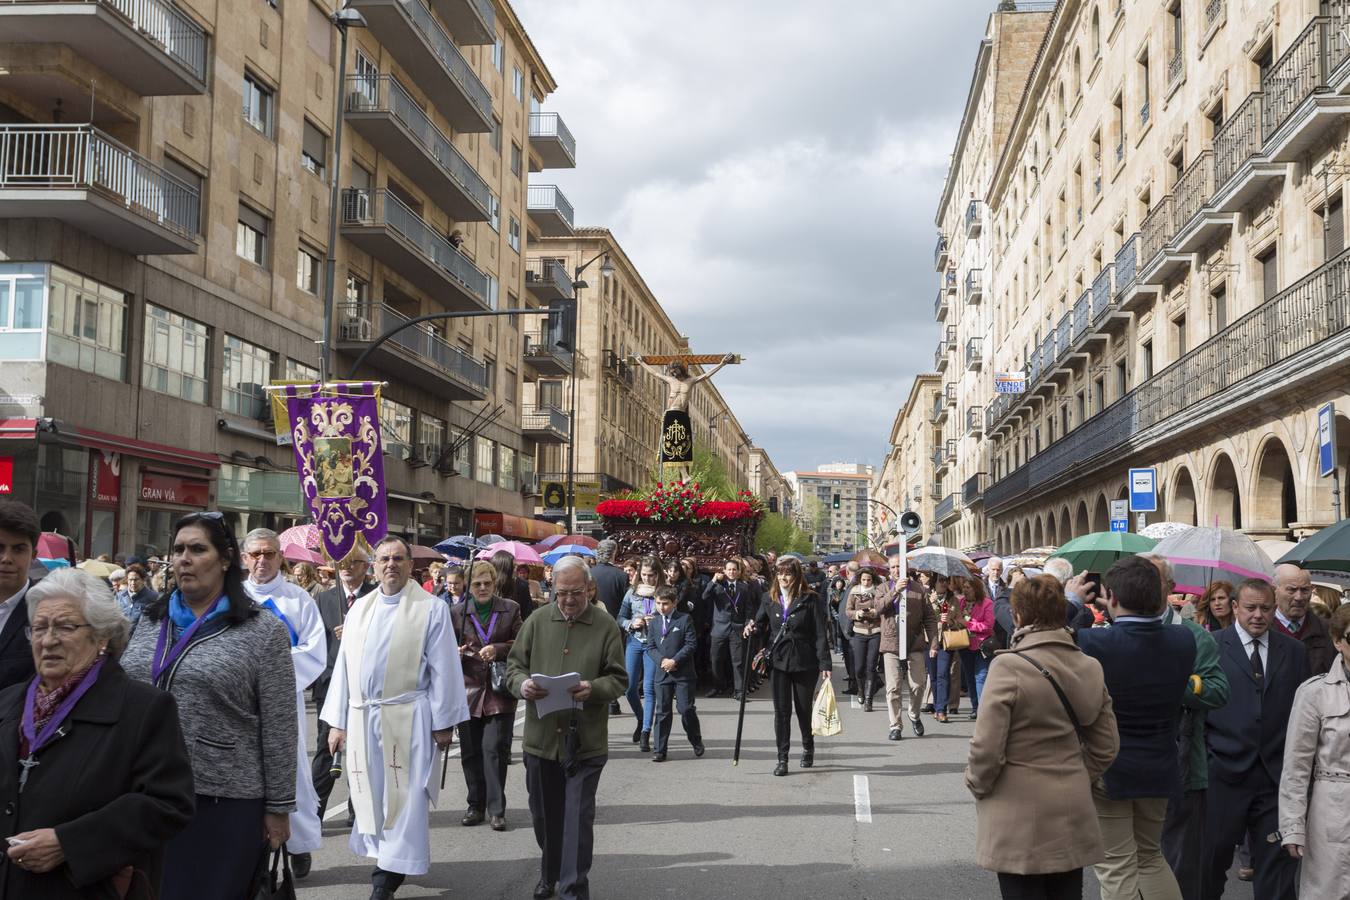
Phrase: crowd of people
pixel 160 714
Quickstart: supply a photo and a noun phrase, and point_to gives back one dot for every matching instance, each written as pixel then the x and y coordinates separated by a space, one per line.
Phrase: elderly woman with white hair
pixel 101 779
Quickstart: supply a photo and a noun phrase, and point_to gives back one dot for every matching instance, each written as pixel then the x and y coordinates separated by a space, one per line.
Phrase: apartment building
pixel 906 480
pixel 165 178
pixel 1168 268
pixel 834 529
pixel 618 404
pixel 766 483
pixel 960 463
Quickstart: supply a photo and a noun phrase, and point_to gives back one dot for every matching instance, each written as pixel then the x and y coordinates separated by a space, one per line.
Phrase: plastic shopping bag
pixel 825 712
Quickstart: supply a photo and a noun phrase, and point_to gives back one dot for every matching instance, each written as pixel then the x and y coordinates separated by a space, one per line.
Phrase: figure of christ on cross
pixel 677 432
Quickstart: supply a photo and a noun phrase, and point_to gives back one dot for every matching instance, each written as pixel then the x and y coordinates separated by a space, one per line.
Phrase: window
pixel 1099 394
pixel 1146 361
pixel 251 237
pixel 191 179
pixel 499 55
pixel 1077 73
pixel 485 467
pixel 1179 329
pixel 506 468
pixel 1096 32
pixel 494 213
pixel 358 296
pixel 495 135
pixel 86 322
pixel 319 33
pixel 1219 301
pixel 493 291
pixel 462 460
pixel 1122 379
pixel 1333 229
pixel 517 159
pixel 1143 74
pixel 513 235
pixel 396 423
pixel 1178 42
pixel 1082 406
pixel 430 434
pixel 298 371
pixel 307 271
pixel 314 150
pixel 367 80
pixel 176 350
pixel 518 84
pixel 1270 278
pixel 513 302
pixel 246 369
pixel 21 286
pixel 490 370
pixel 509 386
pixel 1118 125
pixel 257 104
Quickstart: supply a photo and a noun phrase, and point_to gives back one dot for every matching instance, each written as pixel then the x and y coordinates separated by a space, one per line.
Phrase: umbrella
pixel 457 545
pixel 557 540
pixel 870 559
pixel 523 553
pixel 51 545
pixel 486 540
pixel 940 560
pixel 1327 549
pixel 1097 551
pixel 557 553
pixel 1160 530
pixel 980 556
pixel 426 553
pixel 296 553
pixel 1201 555
pixel 306 536
pixel 834 559
pixel 99 568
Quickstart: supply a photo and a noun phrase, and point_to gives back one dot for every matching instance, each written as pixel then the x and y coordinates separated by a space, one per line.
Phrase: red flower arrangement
pixel 681 502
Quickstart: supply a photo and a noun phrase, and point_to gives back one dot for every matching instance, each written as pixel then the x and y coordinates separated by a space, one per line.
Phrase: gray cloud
pixel 773 169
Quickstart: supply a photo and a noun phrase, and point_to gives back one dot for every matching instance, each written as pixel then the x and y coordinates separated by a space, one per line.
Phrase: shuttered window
pixel 1335 228
pixel 1270 279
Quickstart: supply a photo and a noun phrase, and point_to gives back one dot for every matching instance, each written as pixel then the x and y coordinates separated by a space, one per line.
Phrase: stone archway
pixel 1065 525
pixel 1101 514
pixel 1274 494
pixel 1036 533
pixel 1181 505
pixel 1225 494
pixel 1051 529
pixel 1081 525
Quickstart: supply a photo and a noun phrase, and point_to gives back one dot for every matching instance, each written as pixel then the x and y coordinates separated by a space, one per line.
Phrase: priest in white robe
pixel 309 654
pixel 396 695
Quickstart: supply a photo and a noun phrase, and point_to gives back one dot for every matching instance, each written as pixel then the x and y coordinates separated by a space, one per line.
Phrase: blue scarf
pixel 269 605
pixel 182 617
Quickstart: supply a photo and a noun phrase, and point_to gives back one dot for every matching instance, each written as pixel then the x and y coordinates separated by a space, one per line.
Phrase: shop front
pixel 164 498
pixel 259 498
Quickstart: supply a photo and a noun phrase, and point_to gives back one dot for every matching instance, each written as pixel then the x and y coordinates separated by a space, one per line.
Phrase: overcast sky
pixel 773 169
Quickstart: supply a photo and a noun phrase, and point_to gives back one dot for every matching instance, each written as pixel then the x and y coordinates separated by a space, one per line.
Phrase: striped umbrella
pixel 1202 555
pixel 940 560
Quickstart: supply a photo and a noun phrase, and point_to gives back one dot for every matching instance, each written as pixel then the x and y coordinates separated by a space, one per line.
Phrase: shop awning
pixel 18 429
pixel 516 527
pixel 98 440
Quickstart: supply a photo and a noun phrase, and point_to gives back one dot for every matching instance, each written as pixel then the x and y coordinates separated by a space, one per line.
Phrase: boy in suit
pixel 671 644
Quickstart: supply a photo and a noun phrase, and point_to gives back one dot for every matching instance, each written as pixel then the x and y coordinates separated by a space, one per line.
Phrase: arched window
pixel 1077 73
pixel 1063 108
pixel 1096 33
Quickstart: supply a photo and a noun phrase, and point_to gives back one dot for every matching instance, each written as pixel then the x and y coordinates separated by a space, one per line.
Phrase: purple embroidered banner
pixel 336 436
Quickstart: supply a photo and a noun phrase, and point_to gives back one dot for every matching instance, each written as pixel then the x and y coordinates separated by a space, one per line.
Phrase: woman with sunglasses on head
pixel 637 608
pixel 795 624
pixel 229 667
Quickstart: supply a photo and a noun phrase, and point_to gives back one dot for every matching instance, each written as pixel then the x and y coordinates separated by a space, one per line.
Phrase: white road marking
pixel 341 809
pixel 862 800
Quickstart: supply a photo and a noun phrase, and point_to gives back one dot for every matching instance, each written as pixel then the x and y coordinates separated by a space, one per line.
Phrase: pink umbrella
pixel 296 553
pixel 523 553
pixel 306 536
pixel 556 540
pixel 427 553
pixel 51 545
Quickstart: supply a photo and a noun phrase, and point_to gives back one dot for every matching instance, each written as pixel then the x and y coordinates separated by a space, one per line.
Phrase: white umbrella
pixel 1160 530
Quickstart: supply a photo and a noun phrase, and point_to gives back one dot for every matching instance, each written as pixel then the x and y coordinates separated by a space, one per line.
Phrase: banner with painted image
pixel 338 452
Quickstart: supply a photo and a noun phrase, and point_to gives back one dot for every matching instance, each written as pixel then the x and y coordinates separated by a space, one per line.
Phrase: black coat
pixel 610 586
pixel 16 654
pixel 680 643
pixel 1249 729
pixel 804 645
pixel 332 605
pixel 731 609
pixel 115 787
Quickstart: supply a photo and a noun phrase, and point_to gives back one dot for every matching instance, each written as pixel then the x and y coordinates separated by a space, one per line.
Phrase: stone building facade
pixel 905 481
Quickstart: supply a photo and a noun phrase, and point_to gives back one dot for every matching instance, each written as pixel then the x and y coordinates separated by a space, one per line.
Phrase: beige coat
pixel 1315 784
pixel 1032 782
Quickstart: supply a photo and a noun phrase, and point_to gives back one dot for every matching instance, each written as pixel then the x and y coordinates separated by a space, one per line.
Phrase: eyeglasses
pixel 62 630
pixel 261 554
pixel 569 595
pixel 386 560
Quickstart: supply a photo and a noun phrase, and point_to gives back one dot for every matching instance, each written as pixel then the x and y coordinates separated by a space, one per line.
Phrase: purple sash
pixel 492 623
pixel 162 662
pixel 37 741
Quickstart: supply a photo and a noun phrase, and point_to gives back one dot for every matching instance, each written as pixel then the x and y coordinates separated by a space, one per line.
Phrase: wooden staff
pixel 745 692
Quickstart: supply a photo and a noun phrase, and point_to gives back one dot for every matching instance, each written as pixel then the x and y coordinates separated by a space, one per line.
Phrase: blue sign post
pixel 1326 453
pixel 1144 490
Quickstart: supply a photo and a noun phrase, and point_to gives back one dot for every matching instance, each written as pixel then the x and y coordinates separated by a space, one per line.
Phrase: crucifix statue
pixel 677 432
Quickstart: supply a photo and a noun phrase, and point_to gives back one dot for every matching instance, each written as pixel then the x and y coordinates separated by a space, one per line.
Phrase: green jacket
pixel 1194 706
pixel 591 645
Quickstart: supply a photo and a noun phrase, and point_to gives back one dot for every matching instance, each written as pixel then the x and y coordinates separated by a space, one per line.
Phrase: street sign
pixel 1326 440
pixel 1144 490
pixel 555 495
pixel 6 475
pixel 1120 515
pixel 1121 525
pixel 1010 382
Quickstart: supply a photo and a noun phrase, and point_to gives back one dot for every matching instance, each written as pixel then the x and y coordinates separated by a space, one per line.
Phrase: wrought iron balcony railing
pixel 1238 139
pixel 1302 70
pixel 1193 190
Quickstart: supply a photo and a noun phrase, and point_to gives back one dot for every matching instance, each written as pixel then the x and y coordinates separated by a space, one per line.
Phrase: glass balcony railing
pixel 362 207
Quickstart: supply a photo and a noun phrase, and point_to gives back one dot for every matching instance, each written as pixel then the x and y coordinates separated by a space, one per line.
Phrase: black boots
pixel 781 768
pixel 869 689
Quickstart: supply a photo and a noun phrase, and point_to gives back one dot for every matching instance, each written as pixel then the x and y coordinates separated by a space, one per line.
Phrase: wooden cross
pixel 395 766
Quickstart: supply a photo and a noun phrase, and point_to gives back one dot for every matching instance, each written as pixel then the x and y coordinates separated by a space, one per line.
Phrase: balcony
pixel 554 144
pixel 417 354
pixel 1303 90
pixel 380 110
pixel 974 354
pixel 1242 171
pixel 383 226
pixel 1294 338
pixel 1063 341
pixel 547 280
pixel 1198 224
pixel 972 491
pixel 549 211
pixel 947 511
pixel 940 357
pixel 939 461
pixel 974 285
pixel 1102 293
pixel 151 46
pixel 1176 68
pixel 949 282
pixel 1157 260
pixel 975 420
pixel 470 21
pixel 78 175
pixel 974 219
pixel 544 356
pixel 936 492
pixel 939 412
pixel 433 62
pixel 949 393
pixel 941 254
pixel 1082 313
pixel 545 424
pixel 940 307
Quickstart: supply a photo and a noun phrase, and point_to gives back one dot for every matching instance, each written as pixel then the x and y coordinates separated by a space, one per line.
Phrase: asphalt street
pixel 871 819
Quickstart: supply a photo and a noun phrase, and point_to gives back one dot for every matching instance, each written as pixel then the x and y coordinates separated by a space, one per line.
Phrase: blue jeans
pixel 973 669
pixel 641 671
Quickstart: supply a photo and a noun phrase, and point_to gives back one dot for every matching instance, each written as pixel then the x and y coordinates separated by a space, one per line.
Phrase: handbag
pixel 274 882
pixel 760 664
pixel 497 676
pixel 1063 700
pixel 956 639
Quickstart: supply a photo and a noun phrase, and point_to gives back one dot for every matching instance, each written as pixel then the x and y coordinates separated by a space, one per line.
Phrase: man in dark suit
pixel 671 643
pixel 1293 593
pixel 19 533
pixel 735 600
pixel 1147 666
pixel 333 605
pixel 1246 745
pixel 610 586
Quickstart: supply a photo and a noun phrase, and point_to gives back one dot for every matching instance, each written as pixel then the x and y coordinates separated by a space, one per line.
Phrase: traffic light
pixel 562 323
pixel 835 502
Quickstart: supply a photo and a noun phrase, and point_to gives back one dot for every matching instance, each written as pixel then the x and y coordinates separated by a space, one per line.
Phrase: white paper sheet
pixel 558 697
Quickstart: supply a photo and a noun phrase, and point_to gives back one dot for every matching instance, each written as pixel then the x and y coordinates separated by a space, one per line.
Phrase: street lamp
pixel 606 271
pixel 344 19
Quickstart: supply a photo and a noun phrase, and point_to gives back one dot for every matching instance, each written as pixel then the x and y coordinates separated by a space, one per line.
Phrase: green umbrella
pixel 1097 551
pixel 1329 549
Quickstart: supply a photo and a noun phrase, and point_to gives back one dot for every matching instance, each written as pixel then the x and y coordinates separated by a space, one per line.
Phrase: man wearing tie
pixel 734 602
pixel 1246 745
pixel 333 606
pixel 671 643
pixel 1293 592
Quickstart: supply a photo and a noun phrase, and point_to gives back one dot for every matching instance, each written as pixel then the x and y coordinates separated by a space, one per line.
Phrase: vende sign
pixel 174 491
pixel 6 474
